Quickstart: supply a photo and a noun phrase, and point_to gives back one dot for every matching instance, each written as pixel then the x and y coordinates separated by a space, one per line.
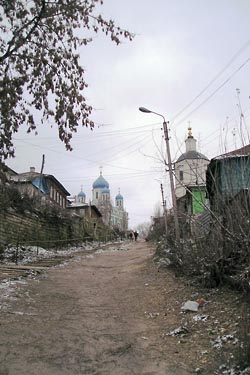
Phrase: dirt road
pixel 104 314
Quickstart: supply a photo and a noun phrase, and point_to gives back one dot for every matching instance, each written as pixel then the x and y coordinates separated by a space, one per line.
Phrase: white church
pixel 113 215
pixel 190 177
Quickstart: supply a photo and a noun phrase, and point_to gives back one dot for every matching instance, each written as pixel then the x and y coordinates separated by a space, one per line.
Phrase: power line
pixel 118 132
pixel 80 158
pixel 214 92
pixel 212 81
pixel 128 142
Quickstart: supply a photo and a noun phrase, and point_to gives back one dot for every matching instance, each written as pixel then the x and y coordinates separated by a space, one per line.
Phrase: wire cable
pixel 213 80
pixel 214 92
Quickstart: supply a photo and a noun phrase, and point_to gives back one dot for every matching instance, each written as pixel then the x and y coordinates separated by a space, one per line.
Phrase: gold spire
pixel 190 135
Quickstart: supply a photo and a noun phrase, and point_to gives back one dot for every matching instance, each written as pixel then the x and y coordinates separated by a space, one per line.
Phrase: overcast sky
pixel 188 61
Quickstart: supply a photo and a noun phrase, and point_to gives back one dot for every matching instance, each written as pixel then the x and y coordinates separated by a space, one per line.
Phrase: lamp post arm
pixel 158 114
pixel 146 110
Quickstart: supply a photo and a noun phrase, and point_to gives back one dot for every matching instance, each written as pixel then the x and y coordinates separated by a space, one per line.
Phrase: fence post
pixel 16 253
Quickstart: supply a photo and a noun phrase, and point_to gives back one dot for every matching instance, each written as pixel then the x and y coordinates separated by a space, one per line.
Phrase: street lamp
pixel 171 177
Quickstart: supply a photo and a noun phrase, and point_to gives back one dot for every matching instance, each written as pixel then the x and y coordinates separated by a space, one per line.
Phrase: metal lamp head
pixel 145 110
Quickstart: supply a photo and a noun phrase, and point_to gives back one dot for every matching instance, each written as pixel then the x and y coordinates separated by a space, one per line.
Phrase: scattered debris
pixel 190 306
pixel 225 370
pixel 152 315
pixel 180 331
pixel 204 352
pixel 200 318
pixel 220 340
pixel 198 370
pixel 201 301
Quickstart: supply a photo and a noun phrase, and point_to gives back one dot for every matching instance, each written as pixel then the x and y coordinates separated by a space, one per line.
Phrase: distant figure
pixel 131 236
pixel 136 235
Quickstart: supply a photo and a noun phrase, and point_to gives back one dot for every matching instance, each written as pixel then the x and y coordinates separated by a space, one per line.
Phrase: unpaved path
pixel 103 315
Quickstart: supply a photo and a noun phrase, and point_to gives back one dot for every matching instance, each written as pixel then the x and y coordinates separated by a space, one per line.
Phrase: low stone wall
pixel 28 228
pixel 52 231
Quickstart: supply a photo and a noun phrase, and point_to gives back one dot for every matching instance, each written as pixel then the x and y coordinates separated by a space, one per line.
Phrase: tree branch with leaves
pixel 41 78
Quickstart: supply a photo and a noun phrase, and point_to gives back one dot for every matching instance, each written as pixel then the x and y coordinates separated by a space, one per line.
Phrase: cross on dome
pixel 190 135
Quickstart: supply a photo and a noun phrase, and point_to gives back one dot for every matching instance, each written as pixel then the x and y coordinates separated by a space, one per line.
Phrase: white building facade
pixel 190 167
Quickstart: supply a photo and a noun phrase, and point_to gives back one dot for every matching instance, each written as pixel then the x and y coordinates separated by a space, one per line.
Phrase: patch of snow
pixel 27 254
pixel 90 256
pixel 100 251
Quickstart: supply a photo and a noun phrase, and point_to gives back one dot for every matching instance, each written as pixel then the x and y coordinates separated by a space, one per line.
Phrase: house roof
pixel 84 206
pixel 191 155
pixel 7 169
pixel 243 151
pixel 35 176
pixel 39 183
pixel 78 204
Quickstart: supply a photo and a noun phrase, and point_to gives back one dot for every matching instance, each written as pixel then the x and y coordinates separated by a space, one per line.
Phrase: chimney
pixel 32 169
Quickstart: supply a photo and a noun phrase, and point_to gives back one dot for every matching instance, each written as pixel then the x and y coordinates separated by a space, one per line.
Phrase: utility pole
pixel 171 178
pixel 170 170
pixel 164 210
pixel 40 177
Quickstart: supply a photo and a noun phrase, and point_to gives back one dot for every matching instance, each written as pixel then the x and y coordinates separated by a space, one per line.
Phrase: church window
pixel 181 175
pixel 96 195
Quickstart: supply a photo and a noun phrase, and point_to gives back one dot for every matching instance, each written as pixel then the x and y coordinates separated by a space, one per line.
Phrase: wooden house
pixel 227 175
pixel 84 210
pixel 45 186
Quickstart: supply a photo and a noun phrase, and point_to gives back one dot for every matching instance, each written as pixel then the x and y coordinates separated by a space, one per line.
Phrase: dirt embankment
pixel 110 314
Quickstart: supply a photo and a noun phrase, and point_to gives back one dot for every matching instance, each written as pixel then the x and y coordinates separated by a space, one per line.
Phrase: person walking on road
pixel 131 236
pixel 136 235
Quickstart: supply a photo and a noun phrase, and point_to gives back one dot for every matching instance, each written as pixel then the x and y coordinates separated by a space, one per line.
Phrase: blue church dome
pixel 106 191
pixel 81 194
pixel 100 183
pixel 119 197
